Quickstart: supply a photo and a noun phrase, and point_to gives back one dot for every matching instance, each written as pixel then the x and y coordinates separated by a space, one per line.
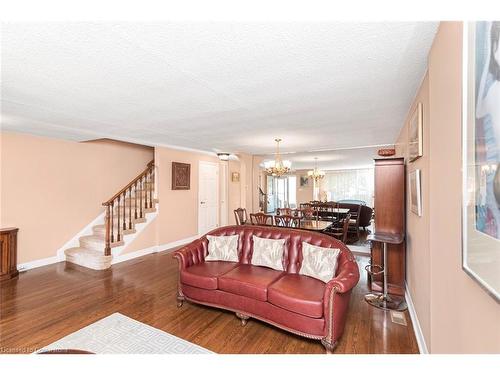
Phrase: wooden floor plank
pixel 48 303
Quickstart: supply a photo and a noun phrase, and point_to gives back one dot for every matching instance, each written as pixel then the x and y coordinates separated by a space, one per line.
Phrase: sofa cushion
pixel 268 252
pixel 249 281
pixel 223 248
pixel 204 275
pixel 299 294
pixel 319 262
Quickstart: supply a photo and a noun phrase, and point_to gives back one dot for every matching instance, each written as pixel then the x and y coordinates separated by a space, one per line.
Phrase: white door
pixel 223 194
pixel 208 199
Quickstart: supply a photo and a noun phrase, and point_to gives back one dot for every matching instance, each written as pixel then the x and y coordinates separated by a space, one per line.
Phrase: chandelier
pixel 278 167
pixel 316 174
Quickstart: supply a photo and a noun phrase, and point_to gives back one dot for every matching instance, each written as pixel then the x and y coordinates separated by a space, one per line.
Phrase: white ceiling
pixel 214 86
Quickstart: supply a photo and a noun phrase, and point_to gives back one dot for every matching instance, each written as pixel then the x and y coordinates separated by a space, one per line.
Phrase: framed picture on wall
pixel 415 130
pixel 415 192
pixel 235 177
pixel 181 176
pixel 481 155
pixel 304 181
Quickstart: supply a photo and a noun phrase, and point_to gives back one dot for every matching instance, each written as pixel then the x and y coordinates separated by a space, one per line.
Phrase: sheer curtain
pixel 350 184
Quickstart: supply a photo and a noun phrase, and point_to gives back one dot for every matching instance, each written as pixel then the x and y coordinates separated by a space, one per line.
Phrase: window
pixel 281 192
pixel 352 184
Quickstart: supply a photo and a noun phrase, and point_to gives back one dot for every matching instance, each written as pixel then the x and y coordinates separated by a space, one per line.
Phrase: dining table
pixel 312 224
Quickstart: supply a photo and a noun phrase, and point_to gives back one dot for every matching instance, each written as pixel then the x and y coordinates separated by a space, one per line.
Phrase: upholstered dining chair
pixel 287 221
pixel 261 219
pixel 283 211
pixel 240 215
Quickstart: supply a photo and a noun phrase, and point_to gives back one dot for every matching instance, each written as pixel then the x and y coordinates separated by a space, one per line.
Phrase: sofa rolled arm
pixel 190 254
pixel 346 279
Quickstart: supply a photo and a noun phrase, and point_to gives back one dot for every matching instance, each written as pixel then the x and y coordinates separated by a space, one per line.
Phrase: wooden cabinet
pixel 389 207
pixel 8 253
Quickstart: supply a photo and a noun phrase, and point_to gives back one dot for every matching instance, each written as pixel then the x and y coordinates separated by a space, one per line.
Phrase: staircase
pixel 124 210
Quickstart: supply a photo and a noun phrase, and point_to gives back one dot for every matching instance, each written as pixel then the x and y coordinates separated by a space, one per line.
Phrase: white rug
pixel 119 334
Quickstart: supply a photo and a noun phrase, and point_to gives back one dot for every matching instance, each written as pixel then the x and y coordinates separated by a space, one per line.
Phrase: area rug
pixel 119 334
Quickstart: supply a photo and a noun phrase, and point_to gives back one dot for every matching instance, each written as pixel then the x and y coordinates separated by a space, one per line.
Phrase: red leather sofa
pixel 299 304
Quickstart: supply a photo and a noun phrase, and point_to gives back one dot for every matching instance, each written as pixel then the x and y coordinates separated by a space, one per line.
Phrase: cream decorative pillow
pixel 223 248
pixel 268 252
pixel 319 262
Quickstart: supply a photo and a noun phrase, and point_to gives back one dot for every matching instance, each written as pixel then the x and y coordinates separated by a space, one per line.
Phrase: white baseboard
pixel 116 259
pixel 152 249
pixel 37 263
pixel 422 346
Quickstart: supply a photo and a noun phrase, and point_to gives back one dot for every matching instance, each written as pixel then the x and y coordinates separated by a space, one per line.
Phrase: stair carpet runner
pixel 90 253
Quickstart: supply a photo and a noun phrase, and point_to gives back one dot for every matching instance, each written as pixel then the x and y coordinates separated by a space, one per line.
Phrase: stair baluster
pixel 107 248
pixel 124 212
pixel 130 207
pixel 141 185
pixel 135 199
pixel 118 219
pixel 140 198
pixel 151 187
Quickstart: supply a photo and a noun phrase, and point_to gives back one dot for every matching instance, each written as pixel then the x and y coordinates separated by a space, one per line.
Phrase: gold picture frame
pixel 415 134
pixel 235 177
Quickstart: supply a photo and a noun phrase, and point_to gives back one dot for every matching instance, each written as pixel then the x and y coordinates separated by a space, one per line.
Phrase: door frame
pixel 217 183
pixel 223 193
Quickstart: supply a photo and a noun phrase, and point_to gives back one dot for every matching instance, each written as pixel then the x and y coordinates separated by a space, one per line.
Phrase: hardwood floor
pixel 48 303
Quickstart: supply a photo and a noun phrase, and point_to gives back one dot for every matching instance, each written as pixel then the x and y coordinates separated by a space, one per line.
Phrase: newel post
pixel 107 248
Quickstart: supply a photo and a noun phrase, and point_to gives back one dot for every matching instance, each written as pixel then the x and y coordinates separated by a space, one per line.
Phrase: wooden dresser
pixel 8 253
pixel 389 208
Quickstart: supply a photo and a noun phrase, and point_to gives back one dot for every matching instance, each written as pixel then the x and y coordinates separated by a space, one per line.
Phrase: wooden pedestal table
pixel 384 300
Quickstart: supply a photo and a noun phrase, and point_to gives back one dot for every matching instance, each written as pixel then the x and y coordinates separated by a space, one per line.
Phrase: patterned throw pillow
pixel 319 262
pixel 268 252
pixel 223 248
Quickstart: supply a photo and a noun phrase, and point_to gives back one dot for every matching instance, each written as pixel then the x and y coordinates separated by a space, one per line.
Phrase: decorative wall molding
pixel 417 329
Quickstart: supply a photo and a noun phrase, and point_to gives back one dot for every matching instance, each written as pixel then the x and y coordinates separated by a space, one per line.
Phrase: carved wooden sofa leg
pixel 244 319
pixel 329 346
pixel 180 301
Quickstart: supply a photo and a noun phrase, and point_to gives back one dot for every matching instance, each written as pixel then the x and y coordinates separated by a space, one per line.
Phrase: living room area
pixel 250 186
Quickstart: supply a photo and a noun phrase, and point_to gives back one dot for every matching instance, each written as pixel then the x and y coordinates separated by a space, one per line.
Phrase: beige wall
pixel 417 234
pixel 456 314
pixel 51 189
pixel 178 215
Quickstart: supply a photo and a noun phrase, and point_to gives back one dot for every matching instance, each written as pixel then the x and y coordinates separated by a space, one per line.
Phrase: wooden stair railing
pixel 140 192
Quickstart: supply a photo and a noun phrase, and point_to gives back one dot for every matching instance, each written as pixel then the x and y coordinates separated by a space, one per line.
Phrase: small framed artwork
pixel 415 193
pixel 415 142
pixel 181 176
pixel 481 155
pixel 235 177
pixel 304 181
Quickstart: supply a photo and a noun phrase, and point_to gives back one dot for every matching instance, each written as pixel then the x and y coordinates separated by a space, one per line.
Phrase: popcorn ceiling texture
pixel 214 86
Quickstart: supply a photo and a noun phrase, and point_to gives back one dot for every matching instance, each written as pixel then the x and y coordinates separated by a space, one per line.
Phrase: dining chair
pixel 341 233
pixel 261 219
pixel 283 211
pixel 287 221
pixel 240 215
pixel 354 221
pixel 306 213
pixel 305 205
